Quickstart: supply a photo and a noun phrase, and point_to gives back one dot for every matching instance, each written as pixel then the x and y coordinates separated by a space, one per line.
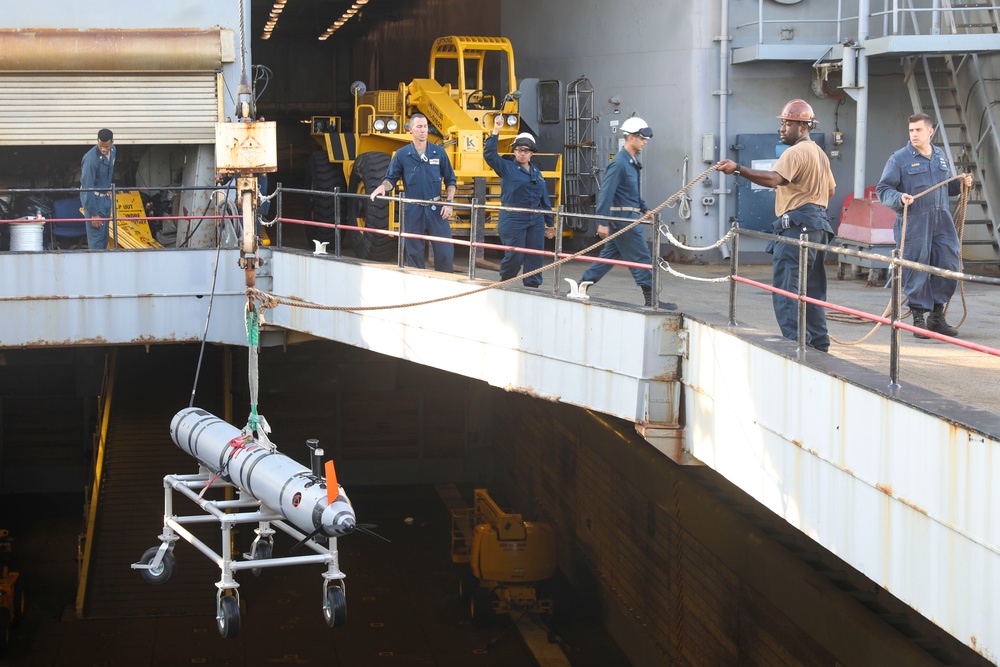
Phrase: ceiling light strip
pixel 351 11
pixel 272 21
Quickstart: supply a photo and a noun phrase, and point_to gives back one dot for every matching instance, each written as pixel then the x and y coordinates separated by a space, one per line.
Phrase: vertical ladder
pixel 579 168
pixel 954 90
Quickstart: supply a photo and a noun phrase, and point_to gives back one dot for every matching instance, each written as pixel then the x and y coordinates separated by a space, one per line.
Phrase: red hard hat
pixel 798 110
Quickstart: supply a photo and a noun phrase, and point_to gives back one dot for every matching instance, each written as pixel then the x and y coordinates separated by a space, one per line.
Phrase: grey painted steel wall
pixel 661 60
pixel 119 297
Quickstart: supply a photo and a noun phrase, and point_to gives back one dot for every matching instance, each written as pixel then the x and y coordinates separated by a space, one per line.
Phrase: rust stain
pixel 884 488
pixel 912 505
pixel 66 342
pixel 528 391
pixel 797 443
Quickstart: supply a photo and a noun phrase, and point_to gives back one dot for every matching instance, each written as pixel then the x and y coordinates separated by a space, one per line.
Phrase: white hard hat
pixel 636 125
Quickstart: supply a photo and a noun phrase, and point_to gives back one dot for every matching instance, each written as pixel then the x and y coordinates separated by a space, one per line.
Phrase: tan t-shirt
pixel 807 169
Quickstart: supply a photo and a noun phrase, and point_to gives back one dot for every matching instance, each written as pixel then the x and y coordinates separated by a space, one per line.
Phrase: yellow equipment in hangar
pixel 471 80
pixel 510 559
pixel 132 226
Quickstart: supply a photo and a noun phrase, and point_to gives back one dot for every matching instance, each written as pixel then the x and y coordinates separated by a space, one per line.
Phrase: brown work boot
pixel 937 323
pixel 918 321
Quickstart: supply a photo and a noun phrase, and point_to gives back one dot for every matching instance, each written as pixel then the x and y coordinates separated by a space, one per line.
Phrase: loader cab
pixel 478 73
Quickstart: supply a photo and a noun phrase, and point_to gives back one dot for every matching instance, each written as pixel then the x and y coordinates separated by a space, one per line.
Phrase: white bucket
pixel 26 236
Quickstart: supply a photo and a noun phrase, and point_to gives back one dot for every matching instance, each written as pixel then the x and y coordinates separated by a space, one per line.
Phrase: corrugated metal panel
pixel 141 108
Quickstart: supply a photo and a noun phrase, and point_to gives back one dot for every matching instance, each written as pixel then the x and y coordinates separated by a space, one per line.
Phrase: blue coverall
pixel 422 177
pixel 97 171
pixel 931 237
pixel 520 188
pixel 620 197
pixel 812 219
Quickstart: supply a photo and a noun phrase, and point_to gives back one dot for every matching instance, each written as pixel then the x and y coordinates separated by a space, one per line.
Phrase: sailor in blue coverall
pixel 97 169
pixel 931 237
pixel 620 197
pixel 521 186
pixel 423 166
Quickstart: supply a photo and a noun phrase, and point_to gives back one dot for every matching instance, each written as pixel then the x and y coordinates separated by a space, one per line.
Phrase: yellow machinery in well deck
pixel 471 80
pixel 133 227
pixel 510 559
pixel 11 593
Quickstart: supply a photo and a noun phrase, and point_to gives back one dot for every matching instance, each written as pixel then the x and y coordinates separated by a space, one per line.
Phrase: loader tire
pixel 325 176
pixel 366 175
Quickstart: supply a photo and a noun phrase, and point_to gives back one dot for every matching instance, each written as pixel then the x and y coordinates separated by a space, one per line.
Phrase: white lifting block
pixel 320 247
pixel 578 292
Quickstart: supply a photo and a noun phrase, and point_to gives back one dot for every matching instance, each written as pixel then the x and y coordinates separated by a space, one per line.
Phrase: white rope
pixel 663 229
pixel 665 266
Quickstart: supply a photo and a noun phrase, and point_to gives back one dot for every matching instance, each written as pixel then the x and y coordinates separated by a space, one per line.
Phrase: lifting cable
pixel 959 219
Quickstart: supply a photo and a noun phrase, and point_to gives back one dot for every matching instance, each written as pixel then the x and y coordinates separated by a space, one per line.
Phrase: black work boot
pixel 937 323
pixel 647 295
pixel 918 321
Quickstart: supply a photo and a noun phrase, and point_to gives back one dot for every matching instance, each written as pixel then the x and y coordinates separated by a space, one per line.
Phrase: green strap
pixel 253 340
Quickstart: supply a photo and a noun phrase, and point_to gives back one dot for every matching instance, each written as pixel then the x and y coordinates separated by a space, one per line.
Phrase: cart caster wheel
pixel 227 617
pixel 335 606
pixel 161 574
pixel 262 551
pixel 481 607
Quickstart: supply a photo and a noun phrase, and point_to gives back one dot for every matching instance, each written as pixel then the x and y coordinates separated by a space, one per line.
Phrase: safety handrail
pixel 114 190
pixel 895 263
pixel 894 19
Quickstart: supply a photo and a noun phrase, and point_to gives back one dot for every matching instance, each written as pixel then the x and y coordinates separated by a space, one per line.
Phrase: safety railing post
pixel 733 268
pixel 803 273
pixel 558 249
pixel 474 214
pixel 114 215
pixel 401 245
pixel 656 262
pixel 277 218
pixel 336 222
pixel 894 307
pixel 477 223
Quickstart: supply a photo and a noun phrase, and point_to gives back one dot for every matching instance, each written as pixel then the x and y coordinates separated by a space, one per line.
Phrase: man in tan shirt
pixel 803 184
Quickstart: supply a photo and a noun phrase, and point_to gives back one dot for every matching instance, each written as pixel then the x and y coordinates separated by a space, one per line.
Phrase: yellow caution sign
pixel 133 228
